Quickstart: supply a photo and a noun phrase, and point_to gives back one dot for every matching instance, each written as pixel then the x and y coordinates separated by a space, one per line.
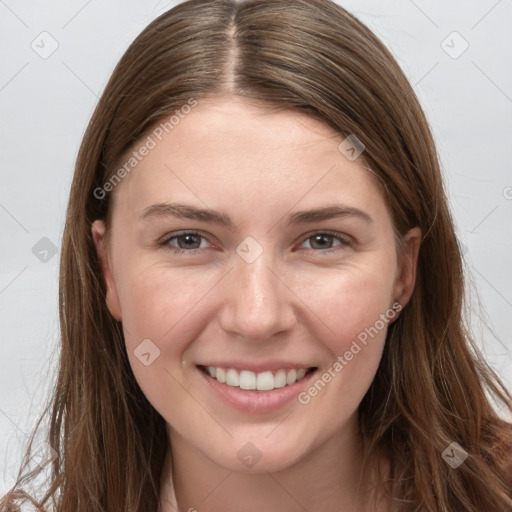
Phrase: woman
pixel 261 290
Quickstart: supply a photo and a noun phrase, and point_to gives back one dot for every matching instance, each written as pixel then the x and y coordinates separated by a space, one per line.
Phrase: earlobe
pixel 98 234
pixel 408 261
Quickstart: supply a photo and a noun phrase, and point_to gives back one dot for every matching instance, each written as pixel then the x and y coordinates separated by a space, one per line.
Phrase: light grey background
pixel 47 100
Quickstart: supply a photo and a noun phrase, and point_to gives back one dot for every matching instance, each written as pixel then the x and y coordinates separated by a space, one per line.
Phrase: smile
pixel 258 392
pixel 262 381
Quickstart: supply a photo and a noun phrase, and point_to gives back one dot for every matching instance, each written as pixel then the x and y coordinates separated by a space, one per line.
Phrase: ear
pixel 408 260
pixel 98 235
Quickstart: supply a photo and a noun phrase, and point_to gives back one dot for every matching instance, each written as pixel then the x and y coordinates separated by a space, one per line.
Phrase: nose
pixel 258 302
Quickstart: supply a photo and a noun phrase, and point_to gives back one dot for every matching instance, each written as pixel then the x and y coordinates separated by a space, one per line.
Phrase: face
pixel 246 251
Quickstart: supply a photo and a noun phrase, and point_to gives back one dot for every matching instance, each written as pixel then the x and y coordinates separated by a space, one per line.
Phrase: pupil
pixel 188 241
pixel 321 238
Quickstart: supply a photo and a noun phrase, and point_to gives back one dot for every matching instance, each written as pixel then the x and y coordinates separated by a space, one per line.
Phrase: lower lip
pixel 257 402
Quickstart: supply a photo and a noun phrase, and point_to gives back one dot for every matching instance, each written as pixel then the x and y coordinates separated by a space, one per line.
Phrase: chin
pixel 260 454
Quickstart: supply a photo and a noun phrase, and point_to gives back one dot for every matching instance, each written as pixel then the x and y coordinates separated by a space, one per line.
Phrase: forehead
pixel 230 152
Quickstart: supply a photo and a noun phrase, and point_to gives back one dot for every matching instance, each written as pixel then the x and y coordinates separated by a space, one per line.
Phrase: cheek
pixel 159 304
pixel 353 309
pixel 356 309
pixel 164 312
pixel 160 319
pixel 349 301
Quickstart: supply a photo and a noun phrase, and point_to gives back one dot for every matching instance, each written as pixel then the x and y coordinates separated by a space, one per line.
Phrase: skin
pixel 295 302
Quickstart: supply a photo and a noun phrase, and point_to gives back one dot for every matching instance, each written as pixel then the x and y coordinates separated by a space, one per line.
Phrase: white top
pixel 171 505
pixel 168 490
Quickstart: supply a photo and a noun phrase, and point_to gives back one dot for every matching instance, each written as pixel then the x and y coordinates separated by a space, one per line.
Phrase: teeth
pixel 232 378
pixel 280 379
pixel 247 379
pixel 264 381
pixel 220 374
pixel 291 377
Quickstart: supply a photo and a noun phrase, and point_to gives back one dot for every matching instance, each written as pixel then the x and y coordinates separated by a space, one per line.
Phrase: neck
pixel 327 479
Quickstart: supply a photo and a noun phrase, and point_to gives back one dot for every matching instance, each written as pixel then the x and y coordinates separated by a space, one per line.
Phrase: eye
pixel 190 242
pixel 185 242
pixel 325 241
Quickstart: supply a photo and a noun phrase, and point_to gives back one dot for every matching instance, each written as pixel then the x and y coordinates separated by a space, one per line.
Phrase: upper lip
pixel 258 367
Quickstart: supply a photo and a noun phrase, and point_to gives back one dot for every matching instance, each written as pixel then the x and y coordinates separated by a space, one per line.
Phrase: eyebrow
pixel 184 211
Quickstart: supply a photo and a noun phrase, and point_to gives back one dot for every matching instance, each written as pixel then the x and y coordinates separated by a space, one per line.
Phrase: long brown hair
pixel 432 387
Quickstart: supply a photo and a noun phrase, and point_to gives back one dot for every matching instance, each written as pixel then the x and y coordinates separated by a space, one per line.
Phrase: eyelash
pixel 176 250
pixel 165 242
